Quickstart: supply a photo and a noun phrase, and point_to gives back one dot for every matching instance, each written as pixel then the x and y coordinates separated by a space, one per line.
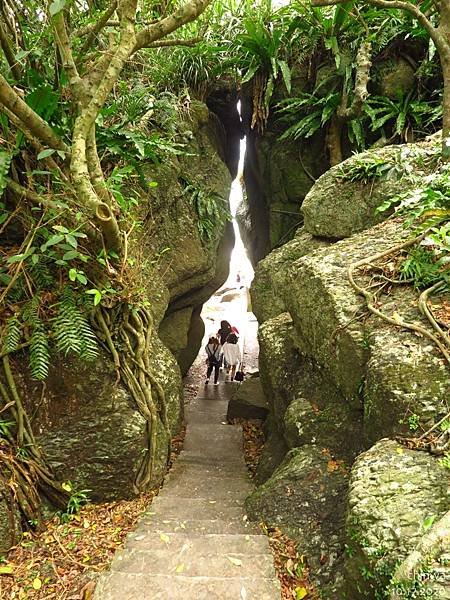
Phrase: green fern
pixel 13 334
pixel 39 359
pixel 39 352
pixel 71 330
pixel 5 161
pixel 41 275
pixel 18 292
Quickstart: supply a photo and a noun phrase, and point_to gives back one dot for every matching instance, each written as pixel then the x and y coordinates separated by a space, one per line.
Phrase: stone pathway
pixel 195 541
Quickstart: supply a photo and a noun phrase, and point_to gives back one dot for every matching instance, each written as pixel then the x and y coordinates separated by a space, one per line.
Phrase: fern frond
pixel 39 352
pixel 71 329
pixel 42 277
pixel 17 292
pixel 5 161
pixel 13 334
pixel 30 312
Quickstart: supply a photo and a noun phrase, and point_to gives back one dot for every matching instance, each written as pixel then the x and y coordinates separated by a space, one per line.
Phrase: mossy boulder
pixel 248 401
pixel 407 383
pixel 186 356
pixel 343 201
pixel 278 361
pixel 306 407
pixel 304 498
pixel 377 367
pixel 269 284
pixel 396 78
pixel 393 493
pixel 174 329
pixel 89 427
pixel 187 259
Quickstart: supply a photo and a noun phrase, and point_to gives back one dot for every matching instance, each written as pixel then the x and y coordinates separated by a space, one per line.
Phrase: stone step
pixel 197 456
pixel 213 431
pixel 218 454
pixel 210 464
pixel 188 564
pixel 191 508
pixel 205 416
pixel 206 404
pixel 194 485
pixel 133 586
pixel 208 543
pixel 160 524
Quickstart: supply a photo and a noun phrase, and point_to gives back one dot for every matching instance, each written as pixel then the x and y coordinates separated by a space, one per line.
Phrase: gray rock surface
pixel 269 285
pixel 303 497
pixel 89 427
pixel 248 401
pixel 343 200
pixel 393 490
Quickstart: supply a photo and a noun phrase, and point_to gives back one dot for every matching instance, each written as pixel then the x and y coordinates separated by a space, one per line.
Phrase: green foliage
pixel 77 499
pixel 211 208
pixel 413 422
pixel 39 351
pixel 5 163
pixel 139 127
pixel 365 169
pixel 422 267
pixel 39 356
pixel 5 428
pixel 13 334
pixel 317 111
pixel 72 332
pixel 445 461
pixel 403 116
pixel 426 209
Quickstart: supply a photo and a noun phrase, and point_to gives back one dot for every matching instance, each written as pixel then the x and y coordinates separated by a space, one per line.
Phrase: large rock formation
pixel 395 495
pixel 339 378
pixel 278 175
pixel 344 200
pixel 85 421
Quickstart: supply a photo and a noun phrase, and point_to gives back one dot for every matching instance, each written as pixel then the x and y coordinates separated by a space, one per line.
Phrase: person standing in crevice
pixel 232 355
pixel 213 352
pixel 223 333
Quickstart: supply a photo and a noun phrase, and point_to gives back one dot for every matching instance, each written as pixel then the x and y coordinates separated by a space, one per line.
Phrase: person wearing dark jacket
pixel 213 352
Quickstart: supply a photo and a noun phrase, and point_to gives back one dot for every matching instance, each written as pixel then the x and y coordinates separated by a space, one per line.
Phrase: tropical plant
pixel 435 21
pixel 211 208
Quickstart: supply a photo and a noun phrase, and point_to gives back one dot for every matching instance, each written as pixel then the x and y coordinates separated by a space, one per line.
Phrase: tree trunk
pixel 334 141
pixel 446 111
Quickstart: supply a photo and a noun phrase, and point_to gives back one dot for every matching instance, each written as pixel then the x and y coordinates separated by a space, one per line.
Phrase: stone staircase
pixel 195 542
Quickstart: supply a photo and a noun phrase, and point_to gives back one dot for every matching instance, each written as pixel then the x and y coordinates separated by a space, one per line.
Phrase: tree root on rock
pixel 439 337
pixel 135 332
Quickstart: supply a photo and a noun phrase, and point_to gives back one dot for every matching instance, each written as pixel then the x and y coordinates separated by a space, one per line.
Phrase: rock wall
pixel 338 380
pixel 85 421
pixel 278 175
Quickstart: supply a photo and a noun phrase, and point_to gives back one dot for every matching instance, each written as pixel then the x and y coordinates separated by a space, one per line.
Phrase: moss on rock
pixel 392 492
pixel 343 200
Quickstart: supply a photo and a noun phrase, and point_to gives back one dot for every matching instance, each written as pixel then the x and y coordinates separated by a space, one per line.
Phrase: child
pixel 213 351
pixel 231 354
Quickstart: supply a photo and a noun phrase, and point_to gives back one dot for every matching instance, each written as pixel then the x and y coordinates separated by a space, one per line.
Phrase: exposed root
pixel 440 342
pixel 134 336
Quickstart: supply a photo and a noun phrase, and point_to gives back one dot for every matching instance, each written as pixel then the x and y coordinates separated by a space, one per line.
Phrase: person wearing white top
pixel 232 354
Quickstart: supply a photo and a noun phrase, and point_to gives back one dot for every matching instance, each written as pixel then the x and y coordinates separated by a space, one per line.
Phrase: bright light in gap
pixel 241 270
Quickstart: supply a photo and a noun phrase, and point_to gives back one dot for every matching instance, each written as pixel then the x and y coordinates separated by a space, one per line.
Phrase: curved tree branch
pixel 187 13
pixel 102 22
pixel 31 120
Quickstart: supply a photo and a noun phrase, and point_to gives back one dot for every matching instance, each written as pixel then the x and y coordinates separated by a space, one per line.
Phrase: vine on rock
pixel 134 333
